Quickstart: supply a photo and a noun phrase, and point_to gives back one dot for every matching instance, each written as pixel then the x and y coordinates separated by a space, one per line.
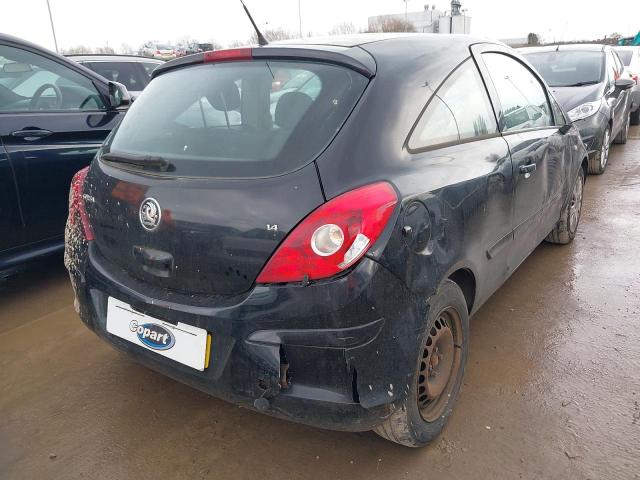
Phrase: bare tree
pixel 126 49
pixel 533 39
pixel 107 50
pixel 344 28
pixel 215 45
pixel 237 43
pixel 78 49
pixel 391 24
pixel 273 35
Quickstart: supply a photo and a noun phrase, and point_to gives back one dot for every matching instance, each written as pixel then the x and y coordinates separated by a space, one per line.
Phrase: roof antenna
pixel 261 40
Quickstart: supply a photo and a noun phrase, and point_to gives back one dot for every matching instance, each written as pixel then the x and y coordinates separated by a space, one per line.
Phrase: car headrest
pixel 290 109
pixel 225 97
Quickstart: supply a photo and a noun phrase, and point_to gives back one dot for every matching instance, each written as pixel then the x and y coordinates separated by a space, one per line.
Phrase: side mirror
pixel 119 96
pixel 624 83
pixel 564 129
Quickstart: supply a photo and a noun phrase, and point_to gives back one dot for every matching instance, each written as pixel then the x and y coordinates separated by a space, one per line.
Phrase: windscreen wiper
pixel 144 161
pixel 581 84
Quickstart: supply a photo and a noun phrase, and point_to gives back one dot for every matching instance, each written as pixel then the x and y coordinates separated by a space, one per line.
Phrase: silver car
pixel 630 57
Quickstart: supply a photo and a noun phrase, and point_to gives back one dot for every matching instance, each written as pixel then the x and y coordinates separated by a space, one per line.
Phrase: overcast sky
pixel 114 22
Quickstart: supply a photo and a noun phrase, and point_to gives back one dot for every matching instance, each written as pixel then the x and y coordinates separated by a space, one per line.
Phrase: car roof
pixel 359 39
pixel 570 47
pixel 360 51
pixel 89 57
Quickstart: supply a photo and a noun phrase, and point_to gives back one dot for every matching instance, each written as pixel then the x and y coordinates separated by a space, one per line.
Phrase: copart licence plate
pixel 183 343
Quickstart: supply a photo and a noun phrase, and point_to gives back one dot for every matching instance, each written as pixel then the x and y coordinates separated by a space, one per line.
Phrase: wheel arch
pixel 466 280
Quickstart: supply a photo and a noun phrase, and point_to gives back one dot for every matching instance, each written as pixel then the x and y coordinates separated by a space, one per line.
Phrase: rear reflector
pixel 77 203
pixel 228 55
pixel 333 237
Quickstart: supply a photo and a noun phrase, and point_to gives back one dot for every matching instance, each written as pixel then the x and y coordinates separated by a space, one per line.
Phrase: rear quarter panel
pixel 466 188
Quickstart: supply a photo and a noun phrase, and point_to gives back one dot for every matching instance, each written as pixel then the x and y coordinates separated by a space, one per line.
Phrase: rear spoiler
pixel 354 58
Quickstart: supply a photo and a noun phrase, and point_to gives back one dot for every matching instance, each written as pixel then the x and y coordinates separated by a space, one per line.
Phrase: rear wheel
pixel 635 117
pixel 438 375
pixel 565 230
pixel 598 162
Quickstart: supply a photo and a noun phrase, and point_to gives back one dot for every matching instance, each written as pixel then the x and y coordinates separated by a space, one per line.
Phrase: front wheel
pixel 565 230
pixel 438 373
pixel 598 162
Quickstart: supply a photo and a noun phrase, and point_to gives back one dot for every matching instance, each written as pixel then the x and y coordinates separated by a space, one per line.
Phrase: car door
pixel 457 137
pixel 615 97
pixel 535 145
pixel 52 121
pixel 11 224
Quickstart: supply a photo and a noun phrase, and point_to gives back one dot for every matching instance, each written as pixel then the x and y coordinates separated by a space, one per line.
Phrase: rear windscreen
pixel 131 74
pixel 239 119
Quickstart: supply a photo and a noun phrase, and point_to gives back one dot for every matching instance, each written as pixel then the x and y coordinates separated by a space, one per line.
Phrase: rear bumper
pixel 350 343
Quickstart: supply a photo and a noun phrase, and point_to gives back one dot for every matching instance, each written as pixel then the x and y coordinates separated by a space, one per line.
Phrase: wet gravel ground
pixel 552 388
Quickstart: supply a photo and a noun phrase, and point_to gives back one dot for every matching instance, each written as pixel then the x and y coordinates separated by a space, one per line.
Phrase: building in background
pixel 432 20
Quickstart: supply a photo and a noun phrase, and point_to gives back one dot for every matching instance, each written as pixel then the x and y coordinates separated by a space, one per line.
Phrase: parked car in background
pixel 320 261
pixel 132 71
pixel 54 114
pixel 159 51
pixel 630 57
pixel 204 47
pixel 588 82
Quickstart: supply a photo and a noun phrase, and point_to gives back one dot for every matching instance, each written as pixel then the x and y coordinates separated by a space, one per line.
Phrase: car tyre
pixel 634 118
pixel 621 138
pixel 565 230
pixel 438 374
pixel 598 163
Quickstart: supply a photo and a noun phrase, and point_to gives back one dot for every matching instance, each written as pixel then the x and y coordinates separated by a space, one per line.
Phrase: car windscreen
pixel 132 75
pixel 625 56
pixel 230 120
pixel 567 68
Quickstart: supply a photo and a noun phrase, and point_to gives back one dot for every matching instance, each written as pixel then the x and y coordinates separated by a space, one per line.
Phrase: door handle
pixel 31 134
pixel 528 168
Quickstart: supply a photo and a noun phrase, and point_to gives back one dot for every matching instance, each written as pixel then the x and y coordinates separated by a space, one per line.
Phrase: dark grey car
pixel 319 260
pixel 589 83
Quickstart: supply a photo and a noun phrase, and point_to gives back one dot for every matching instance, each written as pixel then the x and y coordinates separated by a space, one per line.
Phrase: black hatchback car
pixel 316 254
pixel 591 85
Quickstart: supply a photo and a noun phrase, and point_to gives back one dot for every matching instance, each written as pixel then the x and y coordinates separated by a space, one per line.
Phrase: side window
pixel 30 82
pixel 612 73
pixel 558 114
pixel 618 62
pixel 459 110
pixel 523 98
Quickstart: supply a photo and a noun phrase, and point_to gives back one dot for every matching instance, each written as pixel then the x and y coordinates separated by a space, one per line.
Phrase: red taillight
pixel 76 203
pixel 157 52
pixel 333 237
pixel 634 77
pixel 228 55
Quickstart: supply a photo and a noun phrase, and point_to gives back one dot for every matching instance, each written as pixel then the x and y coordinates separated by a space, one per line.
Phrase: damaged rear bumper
pixel 337 354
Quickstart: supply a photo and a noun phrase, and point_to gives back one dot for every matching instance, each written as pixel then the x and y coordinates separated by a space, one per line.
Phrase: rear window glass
pixel 239 119
pixel 132 75
pixel 567 68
